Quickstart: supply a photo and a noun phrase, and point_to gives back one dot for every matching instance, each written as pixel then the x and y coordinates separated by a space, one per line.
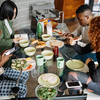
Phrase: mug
pixel 40 60
pixel 60 62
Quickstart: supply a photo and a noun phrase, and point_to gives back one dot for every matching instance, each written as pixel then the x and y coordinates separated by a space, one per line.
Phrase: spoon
pixel 68 57
pixel 16 88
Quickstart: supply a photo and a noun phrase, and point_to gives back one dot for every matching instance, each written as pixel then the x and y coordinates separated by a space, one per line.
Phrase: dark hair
pixel 7 10
pixel 82 8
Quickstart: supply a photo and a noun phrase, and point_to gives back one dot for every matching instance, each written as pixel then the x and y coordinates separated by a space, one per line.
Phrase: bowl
pixel 24 43
pixel 48 54
pixel 44 93
pixel 30 51
pixel 46 37
pixel 53 22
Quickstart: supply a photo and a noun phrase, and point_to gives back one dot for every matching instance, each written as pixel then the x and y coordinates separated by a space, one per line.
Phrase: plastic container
pixel 49 28
pixel 39 30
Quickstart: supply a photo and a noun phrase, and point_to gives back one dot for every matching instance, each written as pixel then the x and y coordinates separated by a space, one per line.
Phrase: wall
pixel 23 19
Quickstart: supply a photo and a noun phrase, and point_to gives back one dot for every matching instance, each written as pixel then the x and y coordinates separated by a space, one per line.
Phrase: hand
pixel 5 58
pixel 67 35
pixel 70 41
pixel 88 60
pixel 17 39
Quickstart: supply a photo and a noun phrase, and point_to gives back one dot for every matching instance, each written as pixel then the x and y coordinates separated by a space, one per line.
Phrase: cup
pixel 40 60
pixel 31 37
pixel 60 62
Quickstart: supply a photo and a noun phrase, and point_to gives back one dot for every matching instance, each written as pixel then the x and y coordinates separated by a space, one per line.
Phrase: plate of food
pixel 52 43
pixel 78 38
pixel 48 80
pixel 27 64
pixel 57 32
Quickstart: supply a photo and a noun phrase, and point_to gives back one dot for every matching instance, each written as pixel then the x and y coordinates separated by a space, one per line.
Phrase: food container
pixel 48 54
pixel 30 51
pixel 44 93
pixel 53 22
pixel 46 37
pixel 24 43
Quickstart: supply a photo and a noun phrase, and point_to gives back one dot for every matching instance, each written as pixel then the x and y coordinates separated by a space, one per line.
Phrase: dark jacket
pixel 94 72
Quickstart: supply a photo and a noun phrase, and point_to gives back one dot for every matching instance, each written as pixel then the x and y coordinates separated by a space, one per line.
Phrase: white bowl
pixel 24 43
pixel 48 54
pixel 30 51
pixel 46 37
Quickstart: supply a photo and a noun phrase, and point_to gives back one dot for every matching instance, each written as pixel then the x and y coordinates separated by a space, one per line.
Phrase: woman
pixel 6 84
pixel 8 11
pixel 92 78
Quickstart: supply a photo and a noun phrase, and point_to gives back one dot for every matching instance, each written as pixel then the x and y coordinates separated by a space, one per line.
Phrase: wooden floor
pixel 31 83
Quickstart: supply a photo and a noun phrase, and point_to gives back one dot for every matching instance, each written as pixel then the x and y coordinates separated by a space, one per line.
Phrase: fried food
pixel 35 41
pixel 41 45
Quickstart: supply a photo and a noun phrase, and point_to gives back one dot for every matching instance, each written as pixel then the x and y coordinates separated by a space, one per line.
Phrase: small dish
pixel 30 51
pixel 48 54
pixel 24 43
pixel 46 37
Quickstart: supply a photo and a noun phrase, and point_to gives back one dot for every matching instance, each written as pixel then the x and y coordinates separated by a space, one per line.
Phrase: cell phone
pixel 73 84
pixel 10 51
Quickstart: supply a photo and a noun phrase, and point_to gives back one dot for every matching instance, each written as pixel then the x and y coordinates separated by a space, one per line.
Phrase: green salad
pixel 18 64
pixel 46 93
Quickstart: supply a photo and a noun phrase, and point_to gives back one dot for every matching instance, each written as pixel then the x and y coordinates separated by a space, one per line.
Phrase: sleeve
pixel 94 72
pixel 82 50
pixel 4 43
pixel 77 32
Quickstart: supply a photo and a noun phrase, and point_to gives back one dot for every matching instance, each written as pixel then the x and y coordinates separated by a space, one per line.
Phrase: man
pixel 84 16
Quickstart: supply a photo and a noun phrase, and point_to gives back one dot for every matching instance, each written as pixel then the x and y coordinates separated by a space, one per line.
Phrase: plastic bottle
pixel 39 30
pixel 49 28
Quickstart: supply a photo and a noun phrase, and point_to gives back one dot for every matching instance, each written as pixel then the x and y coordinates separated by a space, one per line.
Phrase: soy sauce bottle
pixel 56 52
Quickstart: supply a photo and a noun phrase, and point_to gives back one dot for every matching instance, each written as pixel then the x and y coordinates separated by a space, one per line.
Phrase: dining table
pixel 50 66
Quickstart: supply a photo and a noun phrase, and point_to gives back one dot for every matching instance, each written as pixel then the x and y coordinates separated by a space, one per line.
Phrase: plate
pixel 46 83
pixel 75 64
pixel 32 62
pixel 48 43
pixel 57 32
pixel 78 38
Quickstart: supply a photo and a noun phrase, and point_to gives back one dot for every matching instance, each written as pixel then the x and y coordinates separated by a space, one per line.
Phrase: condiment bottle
pixel 39 30
pixel 49 28
pixel 56 52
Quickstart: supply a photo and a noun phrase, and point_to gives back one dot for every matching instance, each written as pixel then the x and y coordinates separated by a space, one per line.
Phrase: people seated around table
pixel 6 84
pixel 91 78
pixel 84 16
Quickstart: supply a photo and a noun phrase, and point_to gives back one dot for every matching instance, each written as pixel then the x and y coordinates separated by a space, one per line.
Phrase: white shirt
pixel 8 26
pixel 82 31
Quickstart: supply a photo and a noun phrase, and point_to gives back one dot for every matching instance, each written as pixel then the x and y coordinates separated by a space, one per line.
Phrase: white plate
pixel 24 36
pixel 32 62
pixel 56 33
pixel 46 83
pixel 78 38
pixel 48 43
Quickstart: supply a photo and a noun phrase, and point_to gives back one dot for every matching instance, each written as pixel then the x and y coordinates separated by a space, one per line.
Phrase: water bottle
pixel 49 28
pixel 39 30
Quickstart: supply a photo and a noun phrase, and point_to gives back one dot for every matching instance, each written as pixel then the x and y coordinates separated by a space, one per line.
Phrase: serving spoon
pixel 16 88
pixel 68 57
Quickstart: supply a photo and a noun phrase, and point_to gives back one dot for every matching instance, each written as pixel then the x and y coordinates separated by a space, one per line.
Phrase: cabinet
pixel 68 7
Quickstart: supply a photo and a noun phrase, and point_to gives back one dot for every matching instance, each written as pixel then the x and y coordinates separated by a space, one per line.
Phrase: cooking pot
pixel 53 22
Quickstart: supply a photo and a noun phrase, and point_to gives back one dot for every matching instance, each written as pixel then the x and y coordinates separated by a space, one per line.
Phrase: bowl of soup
pixel 48 54
pixel 30 51
pixel 46 37
pixel 24 43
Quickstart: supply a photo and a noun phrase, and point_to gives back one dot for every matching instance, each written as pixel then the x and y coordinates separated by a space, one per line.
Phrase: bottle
pixel 39 30
pixel 49 28
pixel 56 52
